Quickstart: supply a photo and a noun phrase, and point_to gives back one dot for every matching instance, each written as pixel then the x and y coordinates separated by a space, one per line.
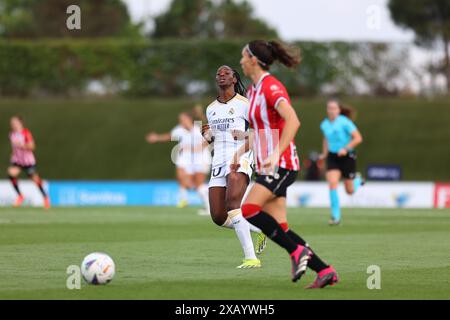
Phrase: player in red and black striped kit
pixel 22 158
pixel 275 124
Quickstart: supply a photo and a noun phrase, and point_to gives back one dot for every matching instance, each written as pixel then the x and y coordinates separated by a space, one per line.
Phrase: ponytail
pixel 289 56
pixel 347 111
pixel 268 52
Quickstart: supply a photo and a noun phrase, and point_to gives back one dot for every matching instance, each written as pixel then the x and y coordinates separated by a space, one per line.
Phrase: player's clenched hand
pixel 270 163
pixel 343 152
pixel 151 137
pixel 207 133
pixel 234 166
pixel 239 135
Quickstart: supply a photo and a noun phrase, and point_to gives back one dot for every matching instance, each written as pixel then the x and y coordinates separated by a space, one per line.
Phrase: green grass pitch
pixel 168 253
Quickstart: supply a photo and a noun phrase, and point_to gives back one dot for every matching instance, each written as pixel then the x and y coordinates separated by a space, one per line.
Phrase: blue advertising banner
pixel 384 172
pixel 102 193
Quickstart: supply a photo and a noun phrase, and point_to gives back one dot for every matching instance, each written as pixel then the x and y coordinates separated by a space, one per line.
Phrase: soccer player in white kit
pixel 227 130
pixel 192 157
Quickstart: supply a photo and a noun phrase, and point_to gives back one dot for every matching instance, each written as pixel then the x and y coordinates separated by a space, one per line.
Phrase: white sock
pixel 183 194
pixel 253 228
pixel 203 192
pixel 242 228
pixel 228 224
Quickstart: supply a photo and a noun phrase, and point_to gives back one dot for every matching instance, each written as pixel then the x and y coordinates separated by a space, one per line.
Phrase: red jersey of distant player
pixel 268 124
pixel 20 155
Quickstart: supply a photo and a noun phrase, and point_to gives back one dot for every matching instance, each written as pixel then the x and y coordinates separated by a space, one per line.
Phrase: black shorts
pixel 30 170
pixel 345 164
pixel 279 182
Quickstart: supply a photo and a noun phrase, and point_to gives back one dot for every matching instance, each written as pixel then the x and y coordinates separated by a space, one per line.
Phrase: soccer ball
pixel 98 268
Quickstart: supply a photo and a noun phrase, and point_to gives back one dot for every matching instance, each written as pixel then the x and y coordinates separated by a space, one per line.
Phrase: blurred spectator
pixel 314 167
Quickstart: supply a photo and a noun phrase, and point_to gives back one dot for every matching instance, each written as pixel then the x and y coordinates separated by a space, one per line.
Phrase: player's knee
pixel 12 172
pixel 250 210
pixel 234 192
pixel 234 179
pixel 349 189
pixel 218 218
pixel 233 201
pixel 333 185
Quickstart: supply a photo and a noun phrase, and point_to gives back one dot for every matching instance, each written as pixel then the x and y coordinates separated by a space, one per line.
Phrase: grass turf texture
pixel 104 139
pixel 168 253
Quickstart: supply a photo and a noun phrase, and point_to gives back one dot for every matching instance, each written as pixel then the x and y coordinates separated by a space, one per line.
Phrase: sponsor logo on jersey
pixel 221 124
pixel 274 87
pixel 231 112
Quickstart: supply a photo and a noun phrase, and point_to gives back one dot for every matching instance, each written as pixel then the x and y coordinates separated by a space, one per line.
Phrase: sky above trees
pixel 352 20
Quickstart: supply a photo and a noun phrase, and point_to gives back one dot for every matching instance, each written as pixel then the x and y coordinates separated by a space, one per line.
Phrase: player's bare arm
pixel 356 140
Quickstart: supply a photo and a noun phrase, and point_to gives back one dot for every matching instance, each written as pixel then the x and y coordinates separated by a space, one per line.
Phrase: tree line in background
pixel 31 19
pixel 187 43
pixel 430 21
pixel 185 67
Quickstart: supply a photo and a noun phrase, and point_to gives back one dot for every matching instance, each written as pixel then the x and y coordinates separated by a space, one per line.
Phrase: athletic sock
pixel 335 208
pixel 41 188
pixel 242 228
pixel 15 185
pixel 357 182
pixel 254 229
pixel 228 224
pixel 203 193
pixel 315 263
pixel 273 230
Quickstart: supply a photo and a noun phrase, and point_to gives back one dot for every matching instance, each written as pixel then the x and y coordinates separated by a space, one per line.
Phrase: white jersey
pixel 190 155
pixel 223 118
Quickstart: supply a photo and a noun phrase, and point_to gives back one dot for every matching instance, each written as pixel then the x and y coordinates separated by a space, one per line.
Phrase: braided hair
pixel 239 87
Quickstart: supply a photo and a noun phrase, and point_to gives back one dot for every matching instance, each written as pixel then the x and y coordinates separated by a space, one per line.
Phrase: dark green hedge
pixel 104 138
pixel 146 68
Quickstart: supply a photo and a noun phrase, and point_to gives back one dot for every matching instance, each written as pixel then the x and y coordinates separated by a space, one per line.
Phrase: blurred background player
pixel 192 161
pixel 341 137
pixel 22 158
pixel 275 125
pixel 227 130
pixel 314 167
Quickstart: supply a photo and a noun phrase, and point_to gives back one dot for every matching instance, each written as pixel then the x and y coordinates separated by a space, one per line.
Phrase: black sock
pixel 41 188
pixel 315 263
pixel 15 185
pixel 272 229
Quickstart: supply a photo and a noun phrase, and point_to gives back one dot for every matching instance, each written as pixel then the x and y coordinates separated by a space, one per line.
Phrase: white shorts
pixel 194 164
pixel 195 168
pixel 219 174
